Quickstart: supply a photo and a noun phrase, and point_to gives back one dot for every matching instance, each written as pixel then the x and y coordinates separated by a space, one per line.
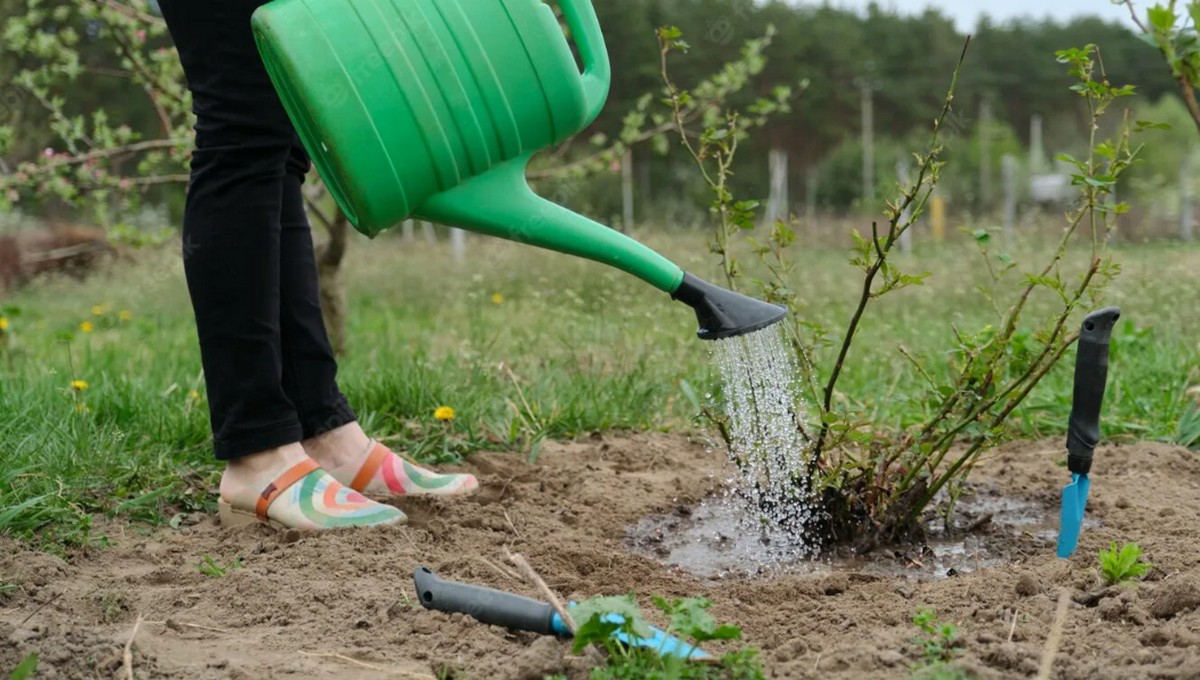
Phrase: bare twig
pixel 536 581
pixel 127 655
pixel 895 229
pixel 503 571
pixel 176 625
pixel 1055 637
pixel 133 13
pixel 510 523
pixel 343 657
pixel 1133 13
pixel 1013 628
pixel 97 154
pixel 45 604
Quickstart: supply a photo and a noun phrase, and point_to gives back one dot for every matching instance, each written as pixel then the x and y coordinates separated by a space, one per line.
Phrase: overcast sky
pixel 967 12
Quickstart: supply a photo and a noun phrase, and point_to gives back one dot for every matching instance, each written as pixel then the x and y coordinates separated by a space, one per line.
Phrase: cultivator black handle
pixel 486 605
pixel 1091 376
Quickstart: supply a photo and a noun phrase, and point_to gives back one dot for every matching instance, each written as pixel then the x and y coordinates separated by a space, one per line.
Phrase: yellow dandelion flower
pixel 79 385
pixel 98 310
pixel 194 395
pixel 497 298
pixel 125 315
pixel 86 327
pixel 444 413
pixel 3 323
pixel 81 407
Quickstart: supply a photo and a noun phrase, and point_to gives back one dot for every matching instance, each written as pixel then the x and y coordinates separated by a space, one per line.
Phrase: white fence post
pixel 1037 148
pixel 1008 171
pixel 458 242
pixel 777 203
pixel 427 230
pixel 810 197
pixel 902 173
pixel 1187 206
pixel 985 154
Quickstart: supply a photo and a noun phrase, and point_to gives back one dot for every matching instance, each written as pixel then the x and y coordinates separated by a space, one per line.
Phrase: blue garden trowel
pixel 1083 428
pixel 516 612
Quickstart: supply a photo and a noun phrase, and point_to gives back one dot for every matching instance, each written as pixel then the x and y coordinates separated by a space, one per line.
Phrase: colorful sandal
pixel 310 499
pixel 386 474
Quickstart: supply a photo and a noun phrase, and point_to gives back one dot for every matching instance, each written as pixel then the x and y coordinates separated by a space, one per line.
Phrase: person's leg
pixel 332 435
pixel 231 248
pixel 309 366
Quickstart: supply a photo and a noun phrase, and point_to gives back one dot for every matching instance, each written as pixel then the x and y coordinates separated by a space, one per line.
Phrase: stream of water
pixel 769 444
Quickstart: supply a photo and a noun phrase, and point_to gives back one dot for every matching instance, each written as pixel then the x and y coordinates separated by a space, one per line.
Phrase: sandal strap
pixel 378 454
pixel 282 483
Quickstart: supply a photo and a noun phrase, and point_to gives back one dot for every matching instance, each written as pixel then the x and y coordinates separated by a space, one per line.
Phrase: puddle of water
pixel 710 541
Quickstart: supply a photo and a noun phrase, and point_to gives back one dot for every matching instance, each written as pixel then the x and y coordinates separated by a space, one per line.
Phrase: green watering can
pixel 431 109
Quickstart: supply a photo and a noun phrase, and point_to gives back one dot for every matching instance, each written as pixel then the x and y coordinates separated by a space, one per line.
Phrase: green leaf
pixel 1143 125
pixel 670 33
pixel 594 630
pixel 690 618
pixel 726 632
pixel 1101 180
pixel 25 669
pixel 1161 19
pixel 590 616
pixel 1150 39
pixel 690 393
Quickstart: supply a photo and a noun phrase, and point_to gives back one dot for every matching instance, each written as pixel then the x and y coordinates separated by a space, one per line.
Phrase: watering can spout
pixel 500 203
pixel 722 313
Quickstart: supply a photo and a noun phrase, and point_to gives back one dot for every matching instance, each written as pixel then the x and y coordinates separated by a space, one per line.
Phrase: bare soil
pixel 295 601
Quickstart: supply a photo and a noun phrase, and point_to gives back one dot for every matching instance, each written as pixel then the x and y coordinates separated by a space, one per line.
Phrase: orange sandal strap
pixel 370 466
pixel 294 474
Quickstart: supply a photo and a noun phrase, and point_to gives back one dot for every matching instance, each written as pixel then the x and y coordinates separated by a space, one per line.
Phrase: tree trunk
pixel 333 293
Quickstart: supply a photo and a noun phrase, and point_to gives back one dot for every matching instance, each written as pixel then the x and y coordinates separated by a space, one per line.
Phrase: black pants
pixel 247 246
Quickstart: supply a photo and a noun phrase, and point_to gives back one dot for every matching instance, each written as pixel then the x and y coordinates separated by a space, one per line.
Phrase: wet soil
pixel 295 601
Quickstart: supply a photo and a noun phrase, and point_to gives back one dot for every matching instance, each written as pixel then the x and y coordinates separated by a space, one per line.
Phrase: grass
pixel 523 344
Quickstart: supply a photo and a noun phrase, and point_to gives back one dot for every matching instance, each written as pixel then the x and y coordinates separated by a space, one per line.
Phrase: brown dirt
pixel 351 593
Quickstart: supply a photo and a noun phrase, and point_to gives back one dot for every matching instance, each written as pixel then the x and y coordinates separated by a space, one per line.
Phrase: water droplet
pixel 767 421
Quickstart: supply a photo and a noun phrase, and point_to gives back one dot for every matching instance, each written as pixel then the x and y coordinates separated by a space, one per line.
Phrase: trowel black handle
pixel 486 605
pixel 1091 377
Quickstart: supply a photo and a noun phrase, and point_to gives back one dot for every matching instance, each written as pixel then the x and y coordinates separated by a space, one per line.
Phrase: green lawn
pixel 568 346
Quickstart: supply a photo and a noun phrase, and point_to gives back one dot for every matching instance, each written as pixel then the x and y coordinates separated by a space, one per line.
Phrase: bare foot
pixel 341 446
pixel 305 496
pixel 358 461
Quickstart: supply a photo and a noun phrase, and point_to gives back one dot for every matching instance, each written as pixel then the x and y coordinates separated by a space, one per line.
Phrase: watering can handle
pixel 597 72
